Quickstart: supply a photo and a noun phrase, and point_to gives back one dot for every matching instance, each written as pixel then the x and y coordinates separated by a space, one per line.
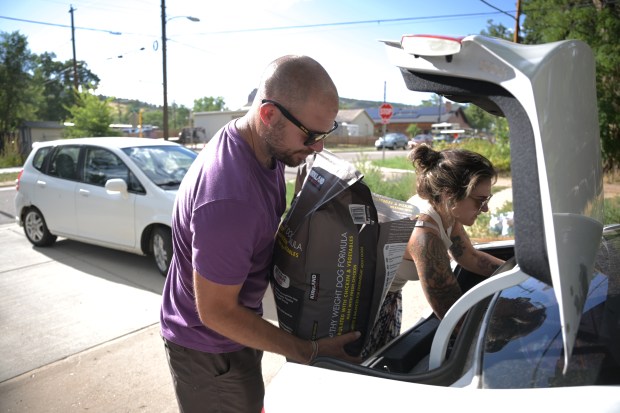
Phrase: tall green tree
pixel 19 96
pixel 483 121
pixel 179 116
pixel 498 30
pixel 413 130
pixel 91 116
pixel 153 117
pixel 58 85
pixel 209 104
pixel 597 23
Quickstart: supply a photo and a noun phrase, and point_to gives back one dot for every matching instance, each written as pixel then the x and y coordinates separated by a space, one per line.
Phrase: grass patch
pixel 8 177
pixel 397 162
pixel 401 187
pixel 612 210
pixel 290 193
pixel 10 156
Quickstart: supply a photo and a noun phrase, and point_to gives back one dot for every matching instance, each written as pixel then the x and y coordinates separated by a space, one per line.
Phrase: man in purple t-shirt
pixel 225 218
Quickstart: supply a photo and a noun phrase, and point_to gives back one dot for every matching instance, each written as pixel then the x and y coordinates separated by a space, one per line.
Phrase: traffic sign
pixel 385 111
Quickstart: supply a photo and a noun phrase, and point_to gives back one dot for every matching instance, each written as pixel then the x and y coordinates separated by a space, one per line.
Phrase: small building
pixel 354 122
pixel 30 132
pixel 211 122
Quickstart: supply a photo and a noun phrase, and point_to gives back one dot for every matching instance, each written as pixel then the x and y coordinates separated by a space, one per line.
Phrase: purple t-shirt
pixel 224 222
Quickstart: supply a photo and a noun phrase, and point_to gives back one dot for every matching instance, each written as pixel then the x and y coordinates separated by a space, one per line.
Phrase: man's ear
pixel 267 114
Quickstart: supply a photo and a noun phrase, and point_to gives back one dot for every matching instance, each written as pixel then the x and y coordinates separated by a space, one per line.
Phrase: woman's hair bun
pixel 424 157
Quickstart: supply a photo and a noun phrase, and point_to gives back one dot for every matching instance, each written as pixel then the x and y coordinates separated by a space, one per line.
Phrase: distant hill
pixel 364 104
pixel 345 103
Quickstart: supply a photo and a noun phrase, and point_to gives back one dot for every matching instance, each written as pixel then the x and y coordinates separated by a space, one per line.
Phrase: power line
pixel 276 28
pixel 509 13
pixel 59 25
pixel 499 10
pixel 351 23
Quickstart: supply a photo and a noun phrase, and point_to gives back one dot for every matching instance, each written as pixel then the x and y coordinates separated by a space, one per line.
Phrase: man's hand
pixel 334 346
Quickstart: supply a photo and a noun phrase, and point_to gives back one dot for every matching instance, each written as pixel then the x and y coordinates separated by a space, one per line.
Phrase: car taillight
pixel 430 45
pixel 19 175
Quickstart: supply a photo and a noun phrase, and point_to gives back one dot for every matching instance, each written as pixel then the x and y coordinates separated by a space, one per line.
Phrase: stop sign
pixel 385 111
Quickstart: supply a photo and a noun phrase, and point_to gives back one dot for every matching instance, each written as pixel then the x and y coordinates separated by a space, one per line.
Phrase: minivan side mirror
pixel 117 185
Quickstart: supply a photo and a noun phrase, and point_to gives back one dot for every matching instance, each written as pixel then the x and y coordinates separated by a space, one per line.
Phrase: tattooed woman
pixel 453 188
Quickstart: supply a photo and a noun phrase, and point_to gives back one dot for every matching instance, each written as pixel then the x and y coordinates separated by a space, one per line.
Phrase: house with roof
pixel 354 122
pixel 422 116
pixel 38 131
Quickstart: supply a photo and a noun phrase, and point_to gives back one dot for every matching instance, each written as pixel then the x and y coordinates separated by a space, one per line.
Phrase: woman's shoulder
pixel 424 221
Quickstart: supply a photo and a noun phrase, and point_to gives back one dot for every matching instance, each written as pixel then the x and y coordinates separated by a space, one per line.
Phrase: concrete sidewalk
pixel 80 330
pixel 127 374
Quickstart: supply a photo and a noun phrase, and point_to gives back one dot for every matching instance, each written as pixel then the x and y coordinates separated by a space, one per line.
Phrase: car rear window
pixel 523 342
pixel 38 160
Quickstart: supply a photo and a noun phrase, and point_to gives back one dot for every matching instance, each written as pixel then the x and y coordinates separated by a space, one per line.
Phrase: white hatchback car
pixel 542 334
pixel 113 192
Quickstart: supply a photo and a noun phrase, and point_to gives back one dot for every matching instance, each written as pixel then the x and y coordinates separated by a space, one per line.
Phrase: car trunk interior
pixel 406 357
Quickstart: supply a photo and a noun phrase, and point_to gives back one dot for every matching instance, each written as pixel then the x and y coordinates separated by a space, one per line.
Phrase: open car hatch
pixel 548 95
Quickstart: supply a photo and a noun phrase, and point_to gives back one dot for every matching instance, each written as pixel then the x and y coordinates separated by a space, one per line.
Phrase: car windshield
pixel 164 165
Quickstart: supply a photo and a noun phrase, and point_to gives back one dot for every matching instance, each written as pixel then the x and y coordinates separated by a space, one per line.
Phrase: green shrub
pixel 498 154
pixel 612 210
pixel 10 156
pixel 397 162
pixel 480 231
pixel 401 187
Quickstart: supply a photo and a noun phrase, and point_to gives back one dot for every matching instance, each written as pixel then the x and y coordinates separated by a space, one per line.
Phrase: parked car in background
pixel 392 141
pixel 113 192
pixel 443 138
pixel 426 138
pixel 543 333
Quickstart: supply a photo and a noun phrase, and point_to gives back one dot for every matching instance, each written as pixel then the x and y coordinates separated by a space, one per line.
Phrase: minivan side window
pixel 100 165
pixel 64 163
pixel 39 157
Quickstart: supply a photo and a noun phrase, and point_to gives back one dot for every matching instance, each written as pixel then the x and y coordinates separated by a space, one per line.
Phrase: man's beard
pixel 276 148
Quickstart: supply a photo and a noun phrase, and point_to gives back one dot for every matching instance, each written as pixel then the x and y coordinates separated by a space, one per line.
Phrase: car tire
pixel 161 248
pixel 36 229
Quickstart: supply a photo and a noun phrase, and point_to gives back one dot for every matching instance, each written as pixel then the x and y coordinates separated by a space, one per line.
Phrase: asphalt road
pixel 7 208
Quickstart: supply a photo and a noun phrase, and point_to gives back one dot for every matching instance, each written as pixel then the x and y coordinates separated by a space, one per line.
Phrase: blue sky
pixel 225 53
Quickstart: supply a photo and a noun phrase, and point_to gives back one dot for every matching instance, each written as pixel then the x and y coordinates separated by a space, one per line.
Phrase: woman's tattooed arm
pixel 433 264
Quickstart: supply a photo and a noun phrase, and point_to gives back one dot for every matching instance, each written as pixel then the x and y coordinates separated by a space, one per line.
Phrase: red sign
pixel 385 111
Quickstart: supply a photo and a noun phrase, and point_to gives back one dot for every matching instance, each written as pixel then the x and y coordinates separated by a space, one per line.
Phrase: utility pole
pixel 517 18
pixel 165 78
pixel 75 72
pixel 383 125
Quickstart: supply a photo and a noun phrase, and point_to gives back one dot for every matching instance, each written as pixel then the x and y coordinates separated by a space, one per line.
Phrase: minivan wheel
pixel 36 230
pixel 161 246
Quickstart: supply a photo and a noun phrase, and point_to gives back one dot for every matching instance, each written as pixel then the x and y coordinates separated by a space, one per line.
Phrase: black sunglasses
pixel 313 137
pixel 481 202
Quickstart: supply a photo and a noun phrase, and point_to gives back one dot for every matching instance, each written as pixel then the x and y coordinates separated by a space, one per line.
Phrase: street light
pixel 163 49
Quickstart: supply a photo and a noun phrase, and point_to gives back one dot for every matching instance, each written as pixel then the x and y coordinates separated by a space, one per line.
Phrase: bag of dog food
pixel 336 253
